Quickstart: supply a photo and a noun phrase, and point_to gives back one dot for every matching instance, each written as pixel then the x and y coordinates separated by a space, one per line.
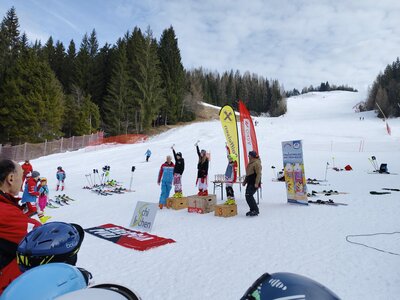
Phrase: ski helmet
pixel 43 179
pixel 46 282
pixel 51 242
pixel 287 285
pixel 101 292
pixel 179 154
pixel 59 168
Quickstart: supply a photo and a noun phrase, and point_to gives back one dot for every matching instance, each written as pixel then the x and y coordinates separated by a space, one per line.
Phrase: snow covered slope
pixel 219 258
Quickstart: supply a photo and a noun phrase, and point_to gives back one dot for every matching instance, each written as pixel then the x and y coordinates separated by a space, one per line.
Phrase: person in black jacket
pixel 178 171
pixel 202 172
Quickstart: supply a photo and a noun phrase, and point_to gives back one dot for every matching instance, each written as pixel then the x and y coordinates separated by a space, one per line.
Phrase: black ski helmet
pixel 51 242
pixel 179 154
pixel 287 286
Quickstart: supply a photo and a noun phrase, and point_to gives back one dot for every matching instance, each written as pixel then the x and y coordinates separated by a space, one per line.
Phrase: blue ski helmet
pixel 101 292
pixel 46 282
pixel 51 242
pixel 287 286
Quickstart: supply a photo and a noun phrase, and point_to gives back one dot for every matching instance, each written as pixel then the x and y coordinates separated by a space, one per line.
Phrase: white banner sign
pixel 144 216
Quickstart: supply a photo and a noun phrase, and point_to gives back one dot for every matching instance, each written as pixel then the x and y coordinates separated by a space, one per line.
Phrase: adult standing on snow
pixel 178 171
pixel 14 224
pixel 253 181
pixel 230 176
pixel 202 171
pixel 27 168
pixel 60 175
pixel 165 177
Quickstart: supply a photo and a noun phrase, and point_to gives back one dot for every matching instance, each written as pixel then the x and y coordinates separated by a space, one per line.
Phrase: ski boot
pixel 252 213
pixel 160 206
pixel 230 201
pixel 200 193
pixel 204 193
pixel 43 219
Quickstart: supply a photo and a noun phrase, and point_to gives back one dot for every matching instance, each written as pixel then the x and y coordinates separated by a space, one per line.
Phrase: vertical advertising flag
pixel 229 125
pixel 295 179
pixel 249 138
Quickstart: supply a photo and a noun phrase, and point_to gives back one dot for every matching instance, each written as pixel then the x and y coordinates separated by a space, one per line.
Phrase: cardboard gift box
pixel 201 204
pixel 225 210
pixel 177 203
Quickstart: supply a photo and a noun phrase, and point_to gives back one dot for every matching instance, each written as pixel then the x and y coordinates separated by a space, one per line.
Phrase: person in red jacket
pixel 14 224
pixel 27 168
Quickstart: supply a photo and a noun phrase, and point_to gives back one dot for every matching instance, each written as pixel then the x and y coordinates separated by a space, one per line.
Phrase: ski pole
pixel 94 177
pixel 130 184
pixel 274 172
pixel 88 180
pixel 326 169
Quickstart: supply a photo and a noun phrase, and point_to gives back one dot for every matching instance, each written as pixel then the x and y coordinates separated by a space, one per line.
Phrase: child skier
pixel 202 171
pixel 230 176
pixel 178 171
pixel 147 154
pixel 43 194
pixel 60 175
pixel 165 177
pixel 30 196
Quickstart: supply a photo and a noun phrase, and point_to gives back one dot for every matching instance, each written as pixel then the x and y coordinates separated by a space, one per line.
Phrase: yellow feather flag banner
pixel 229 125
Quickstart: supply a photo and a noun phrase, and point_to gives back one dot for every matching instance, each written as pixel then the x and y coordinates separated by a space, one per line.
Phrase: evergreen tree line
pixel 385 91
pixel 323 87
pixel 260 95
pixel 48 91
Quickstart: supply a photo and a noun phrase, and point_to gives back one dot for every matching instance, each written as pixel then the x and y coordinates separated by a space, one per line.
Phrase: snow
pixel 219 258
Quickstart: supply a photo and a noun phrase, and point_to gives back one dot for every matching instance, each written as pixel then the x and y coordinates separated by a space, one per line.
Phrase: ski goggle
pixel 26 262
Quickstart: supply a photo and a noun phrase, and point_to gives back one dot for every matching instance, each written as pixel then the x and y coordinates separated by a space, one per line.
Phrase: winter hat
pixel 35 174
pixel 253 154
pixel 204 152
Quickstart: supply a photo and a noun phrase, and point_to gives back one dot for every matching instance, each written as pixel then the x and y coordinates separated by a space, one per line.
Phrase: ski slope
pixel 219 258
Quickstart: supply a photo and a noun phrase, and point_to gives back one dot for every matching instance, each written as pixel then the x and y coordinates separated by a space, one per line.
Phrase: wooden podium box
pixel 225 210
pixel 201 204
pixel 177 203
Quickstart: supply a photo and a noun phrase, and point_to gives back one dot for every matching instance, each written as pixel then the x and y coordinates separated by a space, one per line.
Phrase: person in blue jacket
pixel 60 175
pixel 147 154
pixel 165 178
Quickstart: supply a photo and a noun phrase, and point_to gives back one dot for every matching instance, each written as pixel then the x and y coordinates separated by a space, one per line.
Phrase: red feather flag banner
pixel 249 138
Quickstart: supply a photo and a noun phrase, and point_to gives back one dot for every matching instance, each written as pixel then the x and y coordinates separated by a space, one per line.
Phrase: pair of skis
pixel 327 202
pixel 386 191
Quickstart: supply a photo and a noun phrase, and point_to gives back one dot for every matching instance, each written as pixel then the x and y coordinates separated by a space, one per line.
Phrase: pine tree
pixel 172 74
pixel 9 42
pixel 149 93
pixel 33 106
pixel 70 67
pixel 118 104
pixel 83 66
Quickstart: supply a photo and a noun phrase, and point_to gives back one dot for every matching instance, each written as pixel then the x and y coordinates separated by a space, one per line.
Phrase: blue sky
pixel 297 42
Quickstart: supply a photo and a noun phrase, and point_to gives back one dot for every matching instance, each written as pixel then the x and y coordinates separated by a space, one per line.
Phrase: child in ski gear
pixel 27 168
pixel 178 171
pixel 31 192
pixel 42 201
pixel 60 175
pixel 165 177
pixel 230 176
pixel 253 181
pixel 202 172
pixel 147 154
pixel 14 223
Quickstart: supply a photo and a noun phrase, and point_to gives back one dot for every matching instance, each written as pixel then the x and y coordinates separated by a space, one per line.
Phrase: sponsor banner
pixel 229 125
pixel 249 138
pixel 144 216
pixel 295 179
pixel 128 238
